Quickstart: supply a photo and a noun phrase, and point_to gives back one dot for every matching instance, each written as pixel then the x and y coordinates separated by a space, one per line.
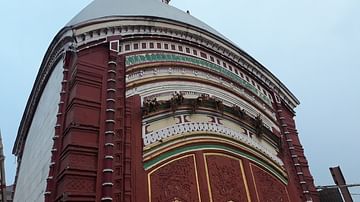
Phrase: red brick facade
pixel 97 150
pixel 163 114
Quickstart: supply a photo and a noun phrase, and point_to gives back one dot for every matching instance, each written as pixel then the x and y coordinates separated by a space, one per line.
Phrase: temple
pixel 136 100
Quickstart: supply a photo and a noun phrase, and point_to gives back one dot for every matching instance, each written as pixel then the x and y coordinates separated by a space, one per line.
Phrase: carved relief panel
pixel 268 188
pixel 175 181
pixel 215 177
pixel 226 178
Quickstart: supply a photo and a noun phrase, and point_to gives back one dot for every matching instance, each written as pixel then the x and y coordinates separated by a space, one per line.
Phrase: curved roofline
pixel 216 35
pixel 107 9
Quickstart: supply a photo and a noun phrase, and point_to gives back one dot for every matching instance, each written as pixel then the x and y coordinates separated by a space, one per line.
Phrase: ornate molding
pixel 171 57
pixel 133 27
pixel 191 90
pixel 185 129
pixel 137 79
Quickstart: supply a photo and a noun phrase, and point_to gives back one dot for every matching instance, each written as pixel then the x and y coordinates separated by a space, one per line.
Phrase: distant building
pixel 9 193
pixel 2 173
pixel 6 192
pixel 136 100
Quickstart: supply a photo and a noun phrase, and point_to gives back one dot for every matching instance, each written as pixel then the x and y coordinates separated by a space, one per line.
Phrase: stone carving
pixel 176 199
pixel 225 178
pixel 176 100
pixel 150 106
pixel 269 189
pixel 199 102
pixel 258 123
pixel 239 112
pixel 219 105
pixel 175 182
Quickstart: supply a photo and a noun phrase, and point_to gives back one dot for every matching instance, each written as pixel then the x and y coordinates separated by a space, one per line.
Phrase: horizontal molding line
pixel 163 57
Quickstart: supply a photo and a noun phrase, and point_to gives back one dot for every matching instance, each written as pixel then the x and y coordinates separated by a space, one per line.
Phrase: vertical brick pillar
pixel 119 136
pixel 110 122
pixel 97 153
pixel 293 154
pixel 76 153
pixel 138 181
pixel 50 192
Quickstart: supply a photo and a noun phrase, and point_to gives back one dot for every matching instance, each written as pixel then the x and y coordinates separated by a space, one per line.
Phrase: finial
pixel 166 1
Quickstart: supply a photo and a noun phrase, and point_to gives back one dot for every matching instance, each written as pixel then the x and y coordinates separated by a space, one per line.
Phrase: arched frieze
pixel 164 91
pixel 210 66
pixel 158 74
pixel 181 126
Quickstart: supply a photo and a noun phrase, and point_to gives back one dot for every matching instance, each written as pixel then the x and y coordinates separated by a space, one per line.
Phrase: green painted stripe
pixel 149 164
pixel 166 57
pixel 190 135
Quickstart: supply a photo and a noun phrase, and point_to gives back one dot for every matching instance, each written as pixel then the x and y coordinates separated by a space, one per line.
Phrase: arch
pixel 214 147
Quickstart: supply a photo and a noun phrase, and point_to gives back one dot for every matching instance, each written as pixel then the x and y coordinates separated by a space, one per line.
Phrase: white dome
pixel 99 9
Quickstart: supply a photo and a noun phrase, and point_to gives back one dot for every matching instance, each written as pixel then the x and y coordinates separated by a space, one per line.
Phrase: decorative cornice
pixel 170 57
pixel 140 26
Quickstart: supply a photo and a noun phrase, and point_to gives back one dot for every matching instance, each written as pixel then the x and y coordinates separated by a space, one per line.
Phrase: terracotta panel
pixel 175 181
pixel 268 188
pixel 76 184
pixel 226 178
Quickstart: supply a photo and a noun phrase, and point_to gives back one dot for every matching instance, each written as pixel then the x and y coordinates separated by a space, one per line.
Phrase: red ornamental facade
pixel 139 101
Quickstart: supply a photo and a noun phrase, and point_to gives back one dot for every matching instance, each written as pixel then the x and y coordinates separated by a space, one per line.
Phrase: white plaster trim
pixel 201 127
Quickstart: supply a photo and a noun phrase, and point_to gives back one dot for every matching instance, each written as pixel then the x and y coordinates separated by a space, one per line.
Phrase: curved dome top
pixel 148 8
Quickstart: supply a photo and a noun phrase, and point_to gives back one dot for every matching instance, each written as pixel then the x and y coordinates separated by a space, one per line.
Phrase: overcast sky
pixel 312 46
